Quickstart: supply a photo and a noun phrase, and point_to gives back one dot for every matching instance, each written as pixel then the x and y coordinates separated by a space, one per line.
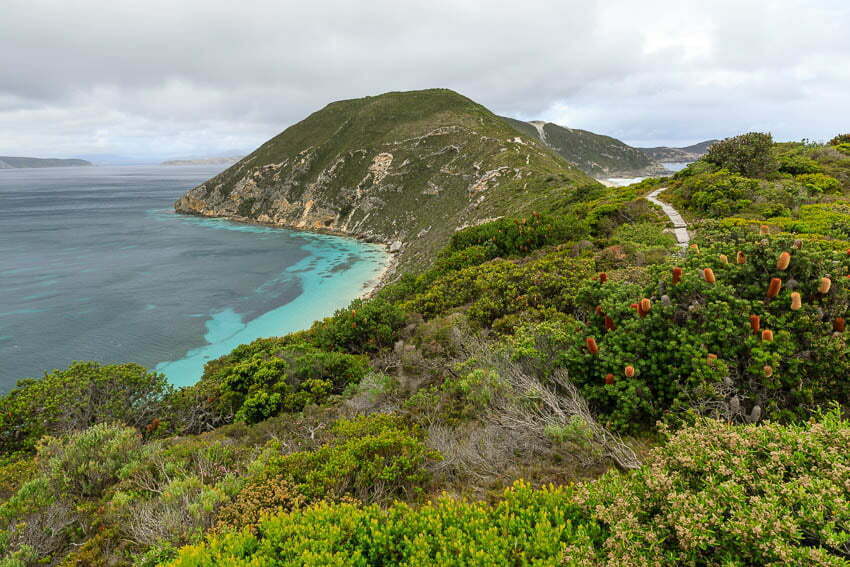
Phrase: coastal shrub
pixel 256 501
pixel 750 154
pixel 526 527
pixel 277 379
pixel 840 139
pixel 373 458
pixel 817 183
pixel 84 394
pixel 365 326
pixel 517 235
pixel 668 347
pixel 720 494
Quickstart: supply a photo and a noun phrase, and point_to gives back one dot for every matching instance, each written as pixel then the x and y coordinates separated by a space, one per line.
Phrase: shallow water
pixel 94 265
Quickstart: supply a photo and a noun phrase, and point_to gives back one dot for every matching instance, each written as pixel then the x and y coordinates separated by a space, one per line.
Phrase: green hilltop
pixel 409 168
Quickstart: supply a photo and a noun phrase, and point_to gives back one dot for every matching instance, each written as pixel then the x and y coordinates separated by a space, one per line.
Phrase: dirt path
pixel 680 227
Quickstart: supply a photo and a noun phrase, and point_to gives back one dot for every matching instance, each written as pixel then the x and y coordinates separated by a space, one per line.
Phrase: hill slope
pixel 687 153
pixel 407 168
pixel 9 162
pixel 595 154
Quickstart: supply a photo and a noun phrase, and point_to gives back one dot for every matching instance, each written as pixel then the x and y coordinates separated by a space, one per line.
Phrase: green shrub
pixel 84 394
pixel 511 236
pixel 840 139
pixel 365 326
pixel 750 155
pixel 373 458
pixel 817 183
pixel 669 346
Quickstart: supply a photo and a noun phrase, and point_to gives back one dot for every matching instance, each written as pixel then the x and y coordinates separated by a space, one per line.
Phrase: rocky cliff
pixel 407 169
pixel 687 153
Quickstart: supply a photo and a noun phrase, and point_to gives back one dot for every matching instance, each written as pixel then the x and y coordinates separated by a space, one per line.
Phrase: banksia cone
pixel 630 371
pixel 774 287
pixel 677 275
pixel 603 277
pixel 708 274
pixel 740 258
pixel 609 378
pixel 724 258
pixel 598 310
pixel 711 358
pixel 644 307
pixel 591 345
pixel 783 261
pixel 768 370
pixel 609 324
pixel 838 324
pixel 634 306
pixel 825 284
pixel 767 335
pixel 695 248
pixel 755 323
pixel 764 229
pixel 796 301
pixel 798 244
pixel 755 414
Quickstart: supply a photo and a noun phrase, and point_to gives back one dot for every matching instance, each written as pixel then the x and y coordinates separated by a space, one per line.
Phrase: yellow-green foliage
pixel 715 494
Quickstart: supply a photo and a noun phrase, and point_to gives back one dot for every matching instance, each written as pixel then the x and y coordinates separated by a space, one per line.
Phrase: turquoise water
pixel 95 265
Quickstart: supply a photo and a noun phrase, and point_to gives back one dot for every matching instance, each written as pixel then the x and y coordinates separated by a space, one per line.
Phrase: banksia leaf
pixel 609 378
pixel 708 274
pixel 774 287
pixel 768 370
pixel 796 301
pixel 783 261
pixel 644 307
pixel 755 323
pixel 764 229
pixel 603 277
pixel 629 371
pixel 609 324
pixel 591 345
pixel 677 275
pixel 825 284
pixel 740 258
pixel 838 324
pixel 767 335
pixel 724 258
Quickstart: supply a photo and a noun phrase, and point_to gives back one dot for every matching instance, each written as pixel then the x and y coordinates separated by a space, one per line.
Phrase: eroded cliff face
pixel 411 182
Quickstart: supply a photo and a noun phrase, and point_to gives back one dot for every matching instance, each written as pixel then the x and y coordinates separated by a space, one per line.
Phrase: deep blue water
pixel 94 265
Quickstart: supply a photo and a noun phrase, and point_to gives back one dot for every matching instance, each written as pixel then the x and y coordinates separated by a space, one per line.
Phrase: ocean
pixel 95 265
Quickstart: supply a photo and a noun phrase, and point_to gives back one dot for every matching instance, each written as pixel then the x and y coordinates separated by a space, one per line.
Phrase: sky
pixel 144 81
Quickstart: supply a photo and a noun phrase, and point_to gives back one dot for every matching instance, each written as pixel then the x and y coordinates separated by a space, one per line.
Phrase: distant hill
pixel 9 162
pixel 688 153
pixel 405 168
pixel 595 154
pixel 203 161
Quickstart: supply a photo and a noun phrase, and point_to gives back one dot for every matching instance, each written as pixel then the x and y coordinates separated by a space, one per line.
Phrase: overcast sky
pixel 180 78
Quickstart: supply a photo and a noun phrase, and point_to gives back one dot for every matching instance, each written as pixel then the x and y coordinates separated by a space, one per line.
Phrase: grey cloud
pixel 193 78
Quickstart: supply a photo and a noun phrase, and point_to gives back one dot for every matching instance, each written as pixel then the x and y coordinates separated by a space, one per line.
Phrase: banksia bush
pixel 767 335
pixel 755 323
pixel 677 275
pixel 838 324
pixel 796 301
pixel 708 274
pixel 740 258
pixel 629 371
pixel 783 261
pixel 774 287
pixel 824 286
pixel 592 347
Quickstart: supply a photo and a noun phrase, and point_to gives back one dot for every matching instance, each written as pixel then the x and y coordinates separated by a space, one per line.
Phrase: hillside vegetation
pixel 409 167
pixel 595 154
pixel 9 162
pixel 558 387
